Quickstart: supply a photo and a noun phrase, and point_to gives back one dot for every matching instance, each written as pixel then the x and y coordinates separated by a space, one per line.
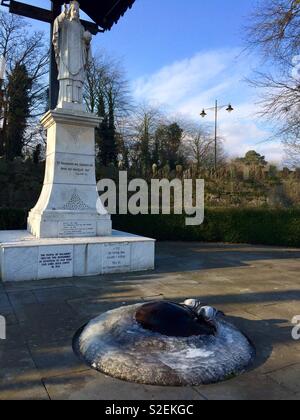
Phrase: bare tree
pixel 274 28
pixel 200 147
pixel 274 31
pixel 22 47
pixel 107 87
pixel 140 135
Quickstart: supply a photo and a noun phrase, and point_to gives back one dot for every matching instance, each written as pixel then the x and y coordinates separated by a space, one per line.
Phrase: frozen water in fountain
pixel 116 344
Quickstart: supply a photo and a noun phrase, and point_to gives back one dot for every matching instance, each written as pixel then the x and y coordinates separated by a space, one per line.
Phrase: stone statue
pixel 72 45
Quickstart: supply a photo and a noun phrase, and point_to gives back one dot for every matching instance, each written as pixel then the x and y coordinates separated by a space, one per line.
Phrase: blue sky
pixel 184 54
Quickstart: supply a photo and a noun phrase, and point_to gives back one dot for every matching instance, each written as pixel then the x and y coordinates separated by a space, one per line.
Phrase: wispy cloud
pixel 188 86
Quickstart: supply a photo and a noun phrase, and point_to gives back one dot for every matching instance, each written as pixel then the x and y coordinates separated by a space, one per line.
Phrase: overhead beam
pixel 43 15
pixel 29 11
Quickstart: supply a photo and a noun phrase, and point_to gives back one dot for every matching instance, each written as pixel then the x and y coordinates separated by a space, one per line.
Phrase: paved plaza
pixel 257 287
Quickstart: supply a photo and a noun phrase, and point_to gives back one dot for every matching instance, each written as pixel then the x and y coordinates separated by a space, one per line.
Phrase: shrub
pixel 13 219
pixel 252 226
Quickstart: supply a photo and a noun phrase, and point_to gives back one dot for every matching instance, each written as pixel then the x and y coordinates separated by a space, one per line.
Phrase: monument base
pixel 25 258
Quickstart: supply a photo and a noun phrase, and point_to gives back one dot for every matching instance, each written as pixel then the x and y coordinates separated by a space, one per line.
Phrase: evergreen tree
pixel 145 144
pixel 168 143
pixel 2 120
pixel 19 85
pixel 106 136
pixel 37 154
pixel 253 158
pixel 156 149
pixel 101 131
pixel 112 147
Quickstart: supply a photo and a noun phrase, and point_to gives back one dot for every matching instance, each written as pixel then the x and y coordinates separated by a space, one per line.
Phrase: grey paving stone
pixel 288 377
pixel 247 387
pixel 41 284
pixel 55 359
pixel 294 397
pixel 92 385
pixel 4 302
pixel 20 380
pixel 258 287
pixel 29 313
pixel 58 294
pixel 15 338
pixel 91 308
pixel 9 316
pixel 284 311
pixel 48 323
pixel 20 299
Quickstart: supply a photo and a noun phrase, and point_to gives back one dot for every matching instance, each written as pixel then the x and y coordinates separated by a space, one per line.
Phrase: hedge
pixel 13 219
pixel 252 226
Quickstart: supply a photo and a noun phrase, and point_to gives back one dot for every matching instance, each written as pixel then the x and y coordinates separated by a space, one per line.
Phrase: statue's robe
pixel 72 51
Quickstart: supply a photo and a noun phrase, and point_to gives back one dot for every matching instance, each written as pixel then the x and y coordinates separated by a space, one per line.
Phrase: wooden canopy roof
pixel 104 13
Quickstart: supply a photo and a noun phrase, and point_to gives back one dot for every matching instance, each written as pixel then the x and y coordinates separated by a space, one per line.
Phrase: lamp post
pixel 216 110
pixel 2 103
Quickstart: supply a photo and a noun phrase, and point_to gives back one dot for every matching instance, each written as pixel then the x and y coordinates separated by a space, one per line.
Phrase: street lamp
pixel 2 103
pixel 216 109
pixel 2 68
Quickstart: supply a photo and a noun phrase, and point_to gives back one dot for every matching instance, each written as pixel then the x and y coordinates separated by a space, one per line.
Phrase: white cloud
pixel 188 86
pixel 174 82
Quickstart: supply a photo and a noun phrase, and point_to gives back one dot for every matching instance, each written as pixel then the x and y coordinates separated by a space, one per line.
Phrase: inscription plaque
pixel 75 169
pixel 77 229
pixel 116 257
pixel 55 261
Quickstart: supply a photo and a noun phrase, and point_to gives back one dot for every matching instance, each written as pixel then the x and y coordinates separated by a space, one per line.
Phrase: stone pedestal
pixel 24 258
pixel 69 205
pixel 69 231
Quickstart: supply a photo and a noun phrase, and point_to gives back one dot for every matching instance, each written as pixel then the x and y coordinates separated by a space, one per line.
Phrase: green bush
pixel 13 219
pixel 252 226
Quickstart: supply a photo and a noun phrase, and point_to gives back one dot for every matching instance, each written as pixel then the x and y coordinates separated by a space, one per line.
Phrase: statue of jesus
pixel 72 45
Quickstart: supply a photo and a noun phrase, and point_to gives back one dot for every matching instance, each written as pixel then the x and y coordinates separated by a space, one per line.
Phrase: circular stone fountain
pixel 163 343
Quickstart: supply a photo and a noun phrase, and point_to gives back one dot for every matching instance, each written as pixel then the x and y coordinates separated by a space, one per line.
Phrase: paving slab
pixel 20 380
pixel 247 387
pixel 288 377
pixel 47 323
pixel 4 302
pixel 58 294
pixel 9 315
pixel 257 287
pixel 40 284
pixel 55 359
pixel 88 309
pixel 19 299
pixel 15 339
pixel 92 385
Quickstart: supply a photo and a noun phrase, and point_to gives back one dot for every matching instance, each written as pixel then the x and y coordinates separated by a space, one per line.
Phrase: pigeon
pixel 206 313
pixel 193 305
pixel 209 314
